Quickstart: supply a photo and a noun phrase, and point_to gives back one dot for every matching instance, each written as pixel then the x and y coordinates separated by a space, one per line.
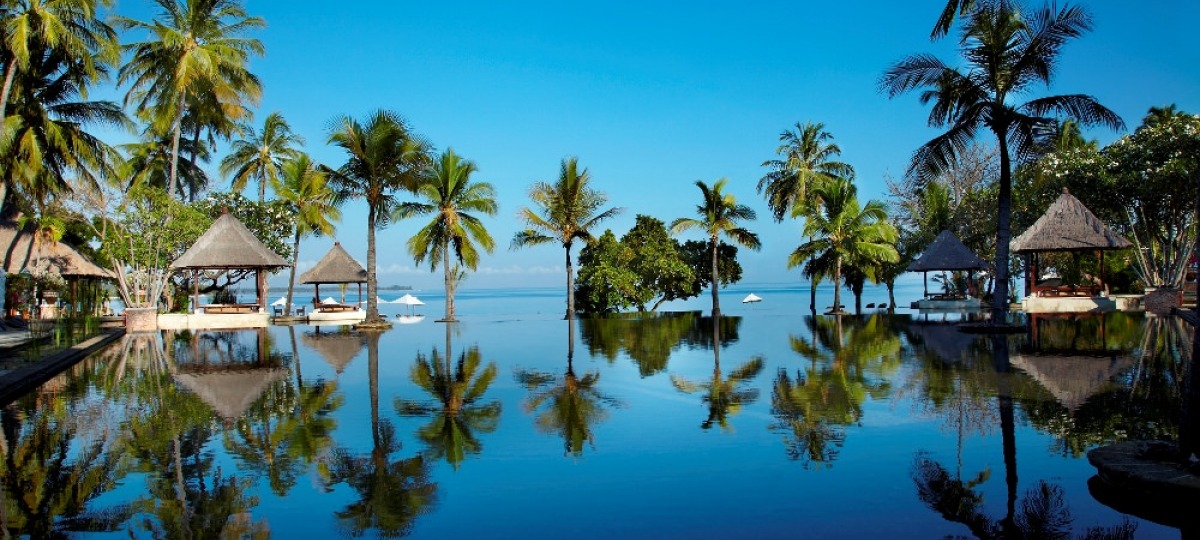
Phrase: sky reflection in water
pixel 873 426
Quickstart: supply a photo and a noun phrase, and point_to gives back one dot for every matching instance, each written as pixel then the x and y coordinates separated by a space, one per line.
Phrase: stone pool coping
pixel 1148 468
pixel 19 381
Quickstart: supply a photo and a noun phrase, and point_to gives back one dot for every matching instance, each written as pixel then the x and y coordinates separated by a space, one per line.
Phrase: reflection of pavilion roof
pixel 337 348
pixel 943 340
pixel 336 266
pixel 1067 226
pixel 1072 379
pixel 947 252
pixel 230 393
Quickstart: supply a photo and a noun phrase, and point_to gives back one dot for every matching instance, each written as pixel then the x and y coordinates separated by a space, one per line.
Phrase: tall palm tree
pixel 305 187
pixel 384 156
pixel 806 157
pixel 148 163
pixel 260 155
pixel 453 231
pixel 719 215
pixel 190 44
pixel 569 209
pixel 844 231
pixel 1007 54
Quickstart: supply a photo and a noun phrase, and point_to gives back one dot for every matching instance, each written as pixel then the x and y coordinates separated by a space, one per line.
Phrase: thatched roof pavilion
pixel 24 250
pixel 229 245
pixel 946 252
pixel 1066 226
pixel 337 266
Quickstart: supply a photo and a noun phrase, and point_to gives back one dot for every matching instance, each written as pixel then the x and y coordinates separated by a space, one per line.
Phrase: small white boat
pixel 750 298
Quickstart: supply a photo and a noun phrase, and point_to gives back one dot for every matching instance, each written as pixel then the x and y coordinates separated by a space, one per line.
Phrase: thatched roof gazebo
pixel 336 266
pixel 948 253
pixel 1067 226
pixel 229 245
pixel 25 250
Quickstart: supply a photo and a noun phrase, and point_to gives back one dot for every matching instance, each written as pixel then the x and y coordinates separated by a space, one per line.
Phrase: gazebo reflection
pixel 229 369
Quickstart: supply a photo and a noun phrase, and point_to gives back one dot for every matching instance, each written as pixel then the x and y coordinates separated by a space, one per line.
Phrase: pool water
pixel 516 423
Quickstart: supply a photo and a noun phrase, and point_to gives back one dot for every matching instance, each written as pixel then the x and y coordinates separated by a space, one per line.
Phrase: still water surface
pixel 515 423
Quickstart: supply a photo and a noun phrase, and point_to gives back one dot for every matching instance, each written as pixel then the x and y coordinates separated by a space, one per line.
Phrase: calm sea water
pixel 515 423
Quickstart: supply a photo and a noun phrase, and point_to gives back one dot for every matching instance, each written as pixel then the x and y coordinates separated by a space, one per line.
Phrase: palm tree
pixel 191 45
pixel 148 163
pixel 569 210
pixel 451 195
pixel 384 156
pixel 719 214
pixel 304 186
pixel 1006 54
pixel 259 156
pixel 844 231
pixel 806 154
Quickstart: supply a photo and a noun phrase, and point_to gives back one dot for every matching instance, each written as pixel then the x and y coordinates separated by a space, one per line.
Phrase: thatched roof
pixel 947 252
pixel 23 250
pixel 337 266
pixel 1072 379
pixel 231 393
pixel 1068 226
pixel 337 348
pixel 228 244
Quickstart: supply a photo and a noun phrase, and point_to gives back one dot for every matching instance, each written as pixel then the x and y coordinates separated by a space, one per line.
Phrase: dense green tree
pixel 606 282
pixel 566 211
pixel 260 155
pixel 304 187
pixel 455 230
pixel 1008 50
pixel 383 156
pixel 191 46
pixel 719 216
pixel 662 274
pixel 846 232
pixel 697 255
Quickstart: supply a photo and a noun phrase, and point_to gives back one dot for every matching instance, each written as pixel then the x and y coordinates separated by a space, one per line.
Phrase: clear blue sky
pixel 652 97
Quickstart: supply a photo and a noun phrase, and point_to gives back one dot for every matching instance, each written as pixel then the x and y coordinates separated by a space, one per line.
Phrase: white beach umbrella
pixel 410 301
pixel 329 300
pixel 282 300
pixel 751 298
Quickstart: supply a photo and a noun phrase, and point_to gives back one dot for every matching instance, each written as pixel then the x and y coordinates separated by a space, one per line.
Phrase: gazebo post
pixel 1103 278
pixel 360 297
pixel 261 284
pixel 195 291
pixel 316 295
pixel 925 275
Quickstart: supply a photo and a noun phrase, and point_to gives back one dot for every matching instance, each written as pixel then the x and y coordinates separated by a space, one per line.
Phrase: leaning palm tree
pixel 454 231
pixel 1007 53
pixel 190 44
pixel 259 156
pixel 844 231
pixel 304 186
pixel 719 215
pixel 384 156
pixel 569 209
pixel 806 157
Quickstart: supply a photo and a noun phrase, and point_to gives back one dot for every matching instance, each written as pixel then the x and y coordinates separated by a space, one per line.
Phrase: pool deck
pixel 19 381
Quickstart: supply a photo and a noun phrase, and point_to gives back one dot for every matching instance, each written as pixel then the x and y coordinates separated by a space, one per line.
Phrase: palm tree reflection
pixel 724 396
pixel 572 404
pixel 392 494
pixel 458 413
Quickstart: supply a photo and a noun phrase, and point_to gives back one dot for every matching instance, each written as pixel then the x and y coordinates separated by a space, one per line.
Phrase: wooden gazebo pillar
pixel 261 284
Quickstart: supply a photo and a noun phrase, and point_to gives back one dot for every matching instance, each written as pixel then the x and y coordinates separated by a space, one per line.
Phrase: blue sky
pixel 651 97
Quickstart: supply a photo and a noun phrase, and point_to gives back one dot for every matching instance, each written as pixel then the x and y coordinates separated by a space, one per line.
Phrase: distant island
pixel 333 287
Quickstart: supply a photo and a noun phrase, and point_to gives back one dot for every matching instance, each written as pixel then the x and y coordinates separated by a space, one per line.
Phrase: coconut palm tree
pixel 148 163
pixel 569 209
pixel 844 231
pixel 260 154
pixel 806 154
pixel 1008 51
pixel 453 232
pixel 190 45
pixel 384 156
pixel 719 215
pixel 304 186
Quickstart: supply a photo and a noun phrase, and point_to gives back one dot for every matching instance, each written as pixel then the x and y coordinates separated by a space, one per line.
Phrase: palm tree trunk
pixel 891 287
pixel 716 280
pixel 195 150
pixel 176 132
pixel 9 73
pixel 373 382
pixel 1001 362
pixel 449 288
pixel 1003 231
pixel 570 285
pixel 372 277
pixel 287 307
pixel 837 285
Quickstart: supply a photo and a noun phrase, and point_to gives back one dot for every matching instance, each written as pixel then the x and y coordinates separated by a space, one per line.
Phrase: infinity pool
pixel 515 426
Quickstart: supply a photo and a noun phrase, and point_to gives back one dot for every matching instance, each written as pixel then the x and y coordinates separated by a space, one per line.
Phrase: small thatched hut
pixel 1066 226
pixel 24 250
pixel 947 253
pixel 336 266
pixel 229 245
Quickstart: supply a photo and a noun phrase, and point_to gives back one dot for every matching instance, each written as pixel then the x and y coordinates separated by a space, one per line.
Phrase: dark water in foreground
pixel 865 427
